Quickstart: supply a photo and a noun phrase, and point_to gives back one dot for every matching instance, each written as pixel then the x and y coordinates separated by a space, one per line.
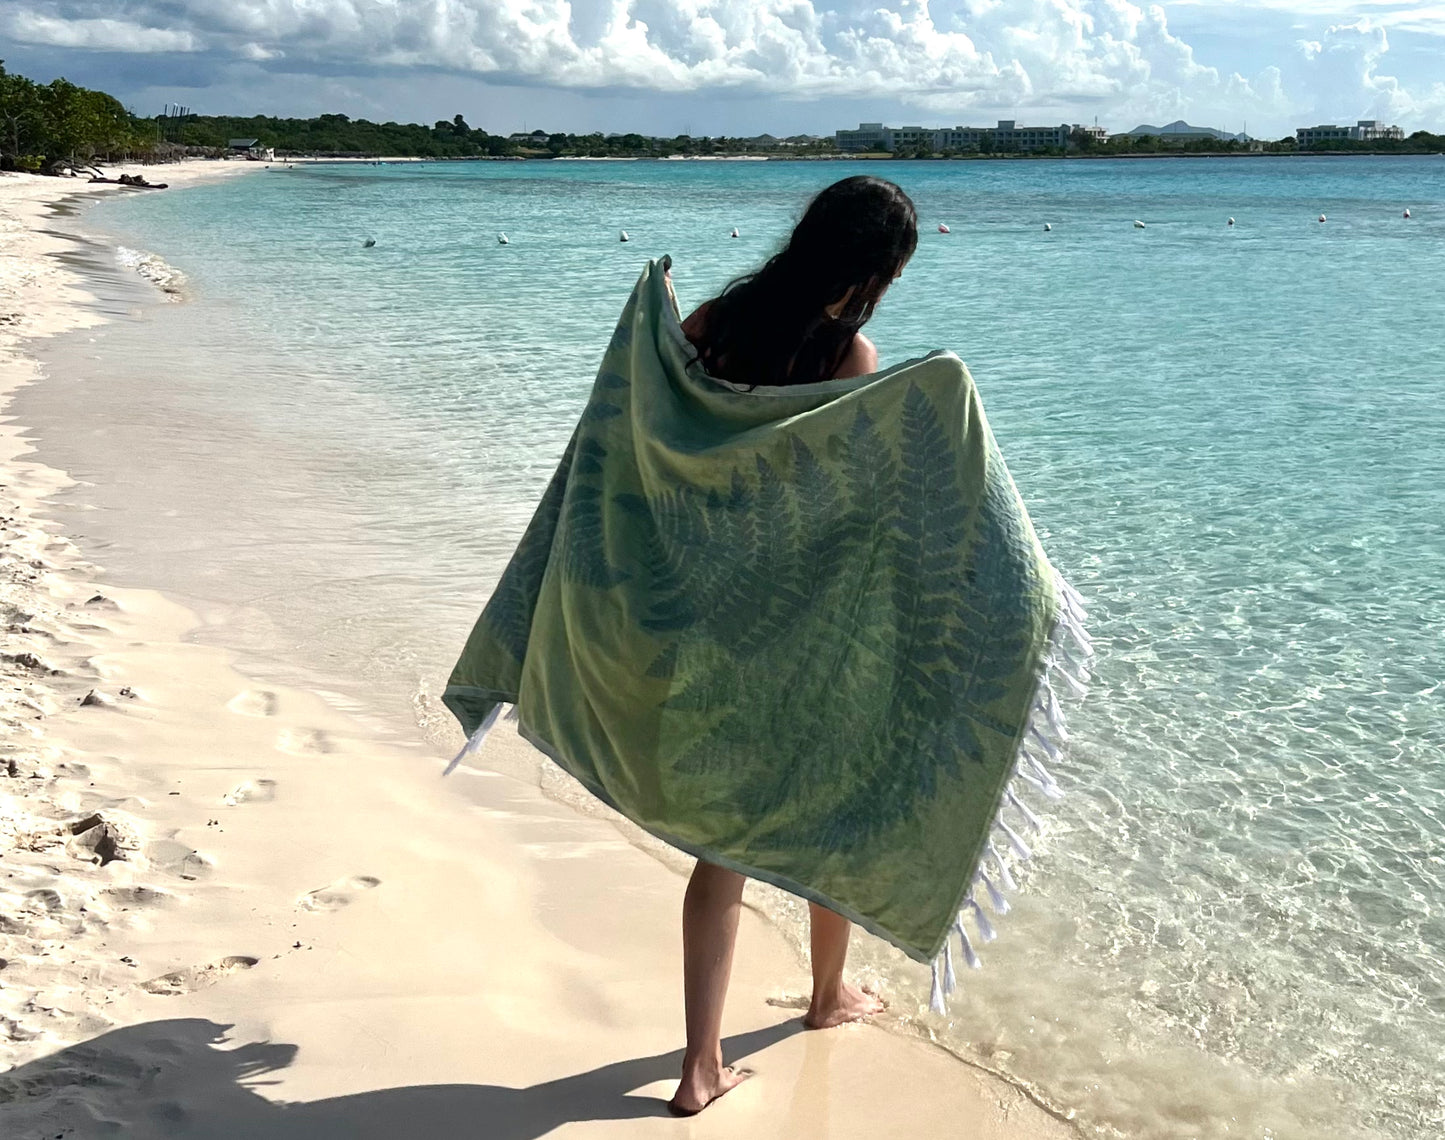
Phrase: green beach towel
pixel 804 632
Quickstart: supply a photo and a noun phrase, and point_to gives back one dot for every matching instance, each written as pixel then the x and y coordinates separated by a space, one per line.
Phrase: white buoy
pixel 943 229
pixel 1231 221
pixel 1322 217
pixel 1048 226
pixel 1138 225
pixel 623 236
pixel 503 239
pixel 734 233
pixel 1407 212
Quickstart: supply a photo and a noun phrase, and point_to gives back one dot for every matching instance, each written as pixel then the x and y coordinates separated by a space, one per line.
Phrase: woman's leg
pixel 709 930
pixel 834 1001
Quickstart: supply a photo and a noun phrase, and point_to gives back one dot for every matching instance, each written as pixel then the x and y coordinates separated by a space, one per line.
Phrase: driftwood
pixel 133 182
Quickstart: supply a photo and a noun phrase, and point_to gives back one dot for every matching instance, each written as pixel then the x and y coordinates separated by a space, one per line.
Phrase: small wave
pixel 165 277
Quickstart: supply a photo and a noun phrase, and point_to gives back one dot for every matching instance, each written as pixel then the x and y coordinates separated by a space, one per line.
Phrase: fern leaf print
pixel 796 631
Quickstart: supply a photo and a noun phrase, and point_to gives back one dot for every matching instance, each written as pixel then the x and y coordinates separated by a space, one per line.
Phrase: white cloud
pixel 944 57
pixel 965 52
pixel 258 54
pixel 1428 21
pixel 1342 70
pixel 100 34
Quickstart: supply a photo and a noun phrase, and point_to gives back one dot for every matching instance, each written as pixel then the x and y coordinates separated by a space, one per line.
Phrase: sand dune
pixel 231 911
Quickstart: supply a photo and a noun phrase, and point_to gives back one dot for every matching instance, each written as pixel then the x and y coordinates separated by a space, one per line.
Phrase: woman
pixel 797 320
pixel 797 625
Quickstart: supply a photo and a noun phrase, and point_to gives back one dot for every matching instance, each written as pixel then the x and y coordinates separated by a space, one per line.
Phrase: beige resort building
pixel 1006 136
pixel 1364 130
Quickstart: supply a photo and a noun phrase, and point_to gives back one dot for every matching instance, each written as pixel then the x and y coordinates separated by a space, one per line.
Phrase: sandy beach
pixel 231 910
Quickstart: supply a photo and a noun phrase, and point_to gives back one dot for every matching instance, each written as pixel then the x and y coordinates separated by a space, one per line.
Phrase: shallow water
pixel 1231 439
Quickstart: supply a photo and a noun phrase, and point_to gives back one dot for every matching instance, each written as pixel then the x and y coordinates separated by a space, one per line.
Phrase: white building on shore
pixel 1364 130
pixel 868 137
pixel 252 149
pixel 1007 135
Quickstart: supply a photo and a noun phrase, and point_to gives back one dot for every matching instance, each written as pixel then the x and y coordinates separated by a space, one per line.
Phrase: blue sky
pixel 747 66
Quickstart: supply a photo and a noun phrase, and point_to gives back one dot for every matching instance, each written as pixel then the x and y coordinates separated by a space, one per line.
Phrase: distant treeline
pixel 1421 142
pixel 338 134
pixel 1081 143
pixel 42 123
pixel 454 138
pixel 1155 144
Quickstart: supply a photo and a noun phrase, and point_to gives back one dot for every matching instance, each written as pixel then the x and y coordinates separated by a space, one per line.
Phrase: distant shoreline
pixel 1098 157
pixel 386 160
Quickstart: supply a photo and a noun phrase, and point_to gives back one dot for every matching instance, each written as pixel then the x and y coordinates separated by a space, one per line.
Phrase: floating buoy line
pixel 943 228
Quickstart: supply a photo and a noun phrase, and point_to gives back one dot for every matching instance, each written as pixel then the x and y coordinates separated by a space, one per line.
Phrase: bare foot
pixel 846 1003
pixel 701 1086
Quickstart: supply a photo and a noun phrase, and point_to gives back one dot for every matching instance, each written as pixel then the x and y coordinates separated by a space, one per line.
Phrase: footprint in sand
pixel 194 978
pixel 251 792
pixel 304 741
pixel 44 899
pixel 338 894
pixel 254 702
pixel 178 859
pixel 126 897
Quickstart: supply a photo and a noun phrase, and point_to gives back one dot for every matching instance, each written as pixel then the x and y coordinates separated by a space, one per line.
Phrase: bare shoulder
pixel 693 327
pixel 862 359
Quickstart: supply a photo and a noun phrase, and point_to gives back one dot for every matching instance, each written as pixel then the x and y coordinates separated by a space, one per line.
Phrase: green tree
pixel 60 120
pixel 20 118
pixel 69 120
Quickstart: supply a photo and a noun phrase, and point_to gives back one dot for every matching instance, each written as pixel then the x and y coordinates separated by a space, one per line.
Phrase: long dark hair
pixel 771 327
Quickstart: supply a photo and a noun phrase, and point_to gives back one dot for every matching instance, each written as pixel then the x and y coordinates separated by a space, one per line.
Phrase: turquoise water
pixel 1231 439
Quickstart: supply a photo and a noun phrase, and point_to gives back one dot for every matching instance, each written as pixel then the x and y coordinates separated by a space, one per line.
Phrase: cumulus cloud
pixel 1345 66
pixel 99 34
pixel 940 56
pixel 937 53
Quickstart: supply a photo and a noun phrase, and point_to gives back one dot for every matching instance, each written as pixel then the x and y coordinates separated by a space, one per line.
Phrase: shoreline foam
pixel 343 920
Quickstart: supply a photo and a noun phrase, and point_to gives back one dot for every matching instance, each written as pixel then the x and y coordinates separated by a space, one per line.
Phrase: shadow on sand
pixel 179 1078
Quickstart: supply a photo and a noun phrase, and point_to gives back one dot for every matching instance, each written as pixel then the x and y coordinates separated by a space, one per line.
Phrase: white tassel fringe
pixel 477 739
pixel 1043 739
